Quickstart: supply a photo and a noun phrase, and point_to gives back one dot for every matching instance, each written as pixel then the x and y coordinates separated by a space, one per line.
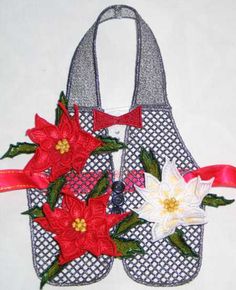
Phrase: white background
pixel 198 45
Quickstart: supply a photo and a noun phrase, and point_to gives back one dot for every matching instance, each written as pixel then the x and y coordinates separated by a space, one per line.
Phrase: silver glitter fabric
pixel 83 82
pixel 162 264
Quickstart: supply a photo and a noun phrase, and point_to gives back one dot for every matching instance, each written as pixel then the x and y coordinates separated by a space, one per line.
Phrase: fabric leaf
pixel 215 200
pixel 64 101
pixel 129 222
pixel 54 190
pixel 110 144
pixel 100 187
pixel 150 163
pixel 177 240
pixel 20 148
pixel 34 212
pixel 51 272
pixel 128 248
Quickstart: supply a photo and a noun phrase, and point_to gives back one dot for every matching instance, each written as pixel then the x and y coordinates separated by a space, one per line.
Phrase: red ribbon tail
pixel 14 179
pixel 225 175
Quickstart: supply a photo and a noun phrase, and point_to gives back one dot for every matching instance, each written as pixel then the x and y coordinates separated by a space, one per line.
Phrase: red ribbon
pixel 103 120
pixel 14 179
pixel 225 175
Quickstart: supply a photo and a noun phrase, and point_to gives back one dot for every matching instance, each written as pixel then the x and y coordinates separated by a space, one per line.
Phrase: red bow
pixel 103 120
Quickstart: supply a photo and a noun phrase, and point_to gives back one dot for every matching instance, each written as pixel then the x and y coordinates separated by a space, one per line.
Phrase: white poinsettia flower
pixel 172 202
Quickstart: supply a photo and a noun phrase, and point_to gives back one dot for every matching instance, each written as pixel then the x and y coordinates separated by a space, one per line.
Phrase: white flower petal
pixel 159 233
pixel 149 196
pixel 192 185
pixel 203 187
pixel 151 182
pixel 148 212
pixel 196 190
pixel 165 191
pixel 194 216
pixel 170 173
pixel 190 197
pixel 165 227
pixel 179 190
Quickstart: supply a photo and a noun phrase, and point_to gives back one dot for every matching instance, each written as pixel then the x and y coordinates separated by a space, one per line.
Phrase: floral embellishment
pixel 61 147
pixel 81 227
pixel 172 202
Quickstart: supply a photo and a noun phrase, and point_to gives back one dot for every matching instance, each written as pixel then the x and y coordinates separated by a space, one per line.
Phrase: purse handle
pixel 150 82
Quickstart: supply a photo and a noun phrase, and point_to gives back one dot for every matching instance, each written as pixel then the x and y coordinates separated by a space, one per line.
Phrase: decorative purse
pixel 80 217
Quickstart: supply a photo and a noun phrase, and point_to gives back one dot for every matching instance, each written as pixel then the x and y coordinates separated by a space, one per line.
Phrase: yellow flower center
pixel 171 204
pixel 63 146
pixel 79 225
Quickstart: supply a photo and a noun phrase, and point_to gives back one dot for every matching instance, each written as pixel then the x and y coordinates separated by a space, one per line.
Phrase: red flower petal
pixel 98 205
pixel 66 159
pixel 58 170
pixel 40 122
pixel 108 247
pixel 69 233
pixel 113 219
pixel 47 144
pixel 54 156
pixel 75 119
pixel 65 127
pixel 43 130
pixel 52 132
pixel 36 135
pixel 88 142
pixel 78 162
pixel 70 250
pixel 58 219
pixel 74 206
pixel 92 244
pixel 43 222
pixel 98 226
pixel 67 191
pixel 39 162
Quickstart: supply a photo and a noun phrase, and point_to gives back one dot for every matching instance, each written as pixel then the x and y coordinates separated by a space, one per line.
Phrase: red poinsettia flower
pixel 81 227
pixel 61 147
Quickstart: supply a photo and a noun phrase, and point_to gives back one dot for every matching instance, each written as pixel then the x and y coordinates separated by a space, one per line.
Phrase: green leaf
pixel 64 101
pixel 129 222
pixel 100 187
pixel 215 200
pixel 110 144
pixel 34 212
pixel 20 148
pixel 177 240
pixel 150 163
pixel 128 248
pixel 51 272
pixel 54 190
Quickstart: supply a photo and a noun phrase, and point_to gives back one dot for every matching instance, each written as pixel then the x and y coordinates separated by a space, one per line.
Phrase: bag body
pixel 162 264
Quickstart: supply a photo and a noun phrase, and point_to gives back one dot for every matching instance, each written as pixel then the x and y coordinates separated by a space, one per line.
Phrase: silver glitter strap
pixel 150 82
